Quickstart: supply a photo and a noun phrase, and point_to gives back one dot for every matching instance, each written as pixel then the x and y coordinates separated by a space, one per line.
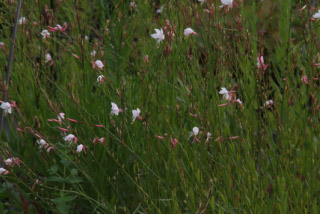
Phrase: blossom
pixel 99 64
pixel 59 28
pixel 61 116
pixel 238 101
pixel 80 148
pixel 3 171
pixel 45 34
pixel 9 162
pixel 189 31
pixel 159 36
pixel 100 79
pixel 305 79
pixel 225 94
pixel 195 131
pixel 160 10
pixel 201 1
pixel 136 114
pixel 22 20
pixel 260 63
pixel 227 3
pixel 6 107
pixel 208 136
pixel 48 58
pixel 173 142
pixel 133 5
pixel 316 15
pixel 114 109
pixel 93 53
pixel 50 148
pixel 42 143
pixel 268 103
pixel 69 138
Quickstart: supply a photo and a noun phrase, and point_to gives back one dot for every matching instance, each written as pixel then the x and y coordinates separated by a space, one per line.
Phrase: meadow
pixel 117 106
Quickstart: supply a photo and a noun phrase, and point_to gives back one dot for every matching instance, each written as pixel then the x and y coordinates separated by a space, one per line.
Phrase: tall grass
pixel 259 159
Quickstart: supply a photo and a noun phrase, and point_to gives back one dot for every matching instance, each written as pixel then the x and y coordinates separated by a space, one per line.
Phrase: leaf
pixel 74 180
pixel 56 179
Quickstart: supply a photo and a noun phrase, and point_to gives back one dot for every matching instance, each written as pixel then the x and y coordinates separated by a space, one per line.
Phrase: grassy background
pixel 272 167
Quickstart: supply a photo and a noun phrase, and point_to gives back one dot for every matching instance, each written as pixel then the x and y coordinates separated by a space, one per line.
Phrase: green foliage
pixel 259 159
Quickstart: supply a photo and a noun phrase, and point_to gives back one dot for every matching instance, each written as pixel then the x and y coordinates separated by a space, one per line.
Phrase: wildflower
pixel 35 24
pixel 208 136
pixel 99 64
pixel 146 59
pixel 99 140
pixel 160 10
pixel 227 3
pixel 61 116
pixel 225 94
pixel 3 171
pixel 22 20
pixel 50 148
pixel 93 53
pixel 305 79
pixel 238 101
pixel 45 34
pixel 260 63
pixel 133 5
pixel 42 143
pixel 59 28
pixel 12 161
pixel 6 107
pixel 173 142
pixel 48 58
pixel 159 36
pixel 70 137
pixel 86 38
pixel 114 109
pixel 316 15
pixel 189 31
pixel 195 131
pixel 268 103
pixel 100 79
pixel 80 148
pixel 9 162
pixel 201 1
pixel 136 114
pixel 2 44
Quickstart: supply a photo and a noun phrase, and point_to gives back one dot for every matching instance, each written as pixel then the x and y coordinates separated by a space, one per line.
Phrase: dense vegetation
pixel 219 118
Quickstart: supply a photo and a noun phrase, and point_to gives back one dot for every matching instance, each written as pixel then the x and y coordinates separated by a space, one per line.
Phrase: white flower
pixel 189 31
pixel 100 79
pixel 160 10
pixel 239 101
pixel 22 20
pixel 135 114
pixel 61 116
pixel 9 162
pixel 268 103
pixel 316 15
pixel 133 5
pixel 114 109
pixel 159 36
pixel 99 64
pixel 69 138
pixel 195 131
pixel 80 148
pixel 41 143
pixel 93 53
pixel 48 58
pixel 3 171
pixel 45 34
pixel 208 136
pixel 86 37
pixel 6 107
pixel 225 93
pixel 2 44
pixel 202 1
pixel 227 3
